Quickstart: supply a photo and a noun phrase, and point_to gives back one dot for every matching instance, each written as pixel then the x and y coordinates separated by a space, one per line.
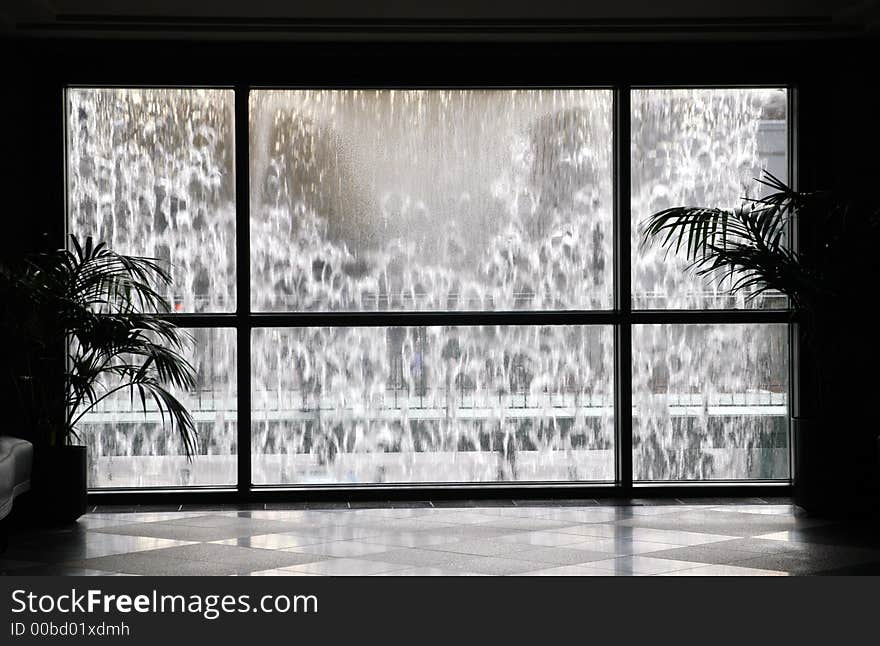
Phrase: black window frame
pixel 621 318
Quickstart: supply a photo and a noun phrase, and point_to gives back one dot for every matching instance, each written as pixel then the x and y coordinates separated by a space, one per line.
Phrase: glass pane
pixel 130 449
pixel 431 199
pixel 151 173
pixel 432 404
pixel 699 148
pixel 710 402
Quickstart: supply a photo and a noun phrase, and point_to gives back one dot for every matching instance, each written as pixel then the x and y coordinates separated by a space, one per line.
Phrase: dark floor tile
pixel 312 506
pixel 728 523
pixel 497 566
pixel 495 502
pixel 200 559
pixel 715 500
pixel 559 555
pixel 241 556
pixel 241 519
pixel 778 500
pixel 466 504
pixel 759 546
pixel 416 524
pixel 160 508
pixel 131 509
pixel 255 506
pixel 60 570
pixel 121 509
pixel 415 557
pixel 40 526
pixel 809 562
pixel 464 532
pixel 481 547
pixel 527 524
pixel 653 502
pixel 176 531
pixel 347 567
pixel 847 534
pixel 549 502
pixel 329 506
pixel 248 513
pixel 40 535
pixel 209 528
pixel 10 566
pixel 64 553
pixel 712 554
pixel 149 564
pixel 818 552
pixel 616 501
pixel 286 506
pixel 861 569
pixel 367 504
pixel 63 546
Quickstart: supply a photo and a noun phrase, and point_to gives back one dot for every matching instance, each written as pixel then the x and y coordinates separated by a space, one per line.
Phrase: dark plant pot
pixel 835 470
pixel 809 473
pixel 60 483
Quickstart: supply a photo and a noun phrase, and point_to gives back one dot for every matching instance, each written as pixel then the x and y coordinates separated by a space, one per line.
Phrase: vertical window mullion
pixel 622 290
pixel 243 282
pixel 795 383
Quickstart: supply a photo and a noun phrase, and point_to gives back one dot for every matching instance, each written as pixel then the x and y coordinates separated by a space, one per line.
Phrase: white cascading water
pixel 432 200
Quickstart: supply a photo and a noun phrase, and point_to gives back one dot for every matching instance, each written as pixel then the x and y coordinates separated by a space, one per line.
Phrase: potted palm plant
pixel 835 270
pixel 103 312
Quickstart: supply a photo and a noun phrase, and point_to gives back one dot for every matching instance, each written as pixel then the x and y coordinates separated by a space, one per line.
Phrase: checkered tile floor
pixel 573 539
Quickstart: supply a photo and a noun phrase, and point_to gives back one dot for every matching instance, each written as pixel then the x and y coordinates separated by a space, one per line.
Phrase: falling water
pixel 435 200
pixel 710 401
pixel 151 172
pixel 431 200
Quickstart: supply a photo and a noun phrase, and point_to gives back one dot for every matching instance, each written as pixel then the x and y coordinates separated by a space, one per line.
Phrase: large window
pixel 432 288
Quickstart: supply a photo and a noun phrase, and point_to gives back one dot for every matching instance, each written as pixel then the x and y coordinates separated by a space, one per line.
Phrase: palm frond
pixel 167 404
pixel 109 305
pixel 94 276
pixel 747 247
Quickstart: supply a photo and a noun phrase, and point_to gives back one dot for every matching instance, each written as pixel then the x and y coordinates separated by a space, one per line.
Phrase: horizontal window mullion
pixel 709 316
pixel 201 320
pixel 378 319
pixel 568 317
pixel 381 319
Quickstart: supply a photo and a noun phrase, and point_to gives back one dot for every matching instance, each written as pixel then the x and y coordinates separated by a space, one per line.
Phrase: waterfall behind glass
pixel 431 200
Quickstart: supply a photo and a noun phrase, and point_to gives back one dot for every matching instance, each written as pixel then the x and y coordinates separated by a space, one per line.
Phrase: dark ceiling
pixel 401 19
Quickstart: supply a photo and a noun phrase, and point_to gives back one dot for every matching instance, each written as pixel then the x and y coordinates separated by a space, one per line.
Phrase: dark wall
pixel 837 98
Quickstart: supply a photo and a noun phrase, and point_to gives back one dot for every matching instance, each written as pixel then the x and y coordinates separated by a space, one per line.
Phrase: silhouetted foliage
pixel 838 268
pixel 750 246
pixel 103 309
